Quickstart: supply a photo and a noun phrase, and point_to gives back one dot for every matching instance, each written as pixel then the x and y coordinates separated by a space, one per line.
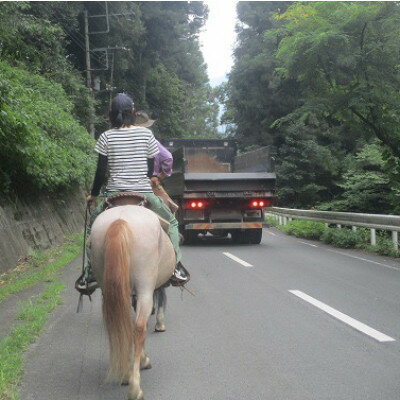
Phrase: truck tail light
pixel 195 205
pixel 260 203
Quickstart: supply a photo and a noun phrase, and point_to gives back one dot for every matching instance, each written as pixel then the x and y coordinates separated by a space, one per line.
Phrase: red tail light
pixel 260 203
pixel 195 204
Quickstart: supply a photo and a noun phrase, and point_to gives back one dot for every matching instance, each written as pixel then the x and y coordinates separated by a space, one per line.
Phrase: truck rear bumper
pixel 224 225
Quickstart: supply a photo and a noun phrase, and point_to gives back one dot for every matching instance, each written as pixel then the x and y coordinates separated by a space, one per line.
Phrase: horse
pixel 131 255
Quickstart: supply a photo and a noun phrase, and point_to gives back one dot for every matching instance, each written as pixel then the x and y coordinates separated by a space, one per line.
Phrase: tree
pixel 345 55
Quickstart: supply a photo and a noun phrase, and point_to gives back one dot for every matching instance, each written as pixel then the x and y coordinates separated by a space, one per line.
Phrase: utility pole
pixel 88 68
pixel 105 51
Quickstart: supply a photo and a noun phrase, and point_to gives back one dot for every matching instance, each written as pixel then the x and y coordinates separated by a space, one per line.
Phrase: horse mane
pixel 117 297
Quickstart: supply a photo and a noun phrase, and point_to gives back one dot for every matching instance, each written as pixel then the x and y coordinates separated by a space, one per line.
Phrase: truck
pixel 218 191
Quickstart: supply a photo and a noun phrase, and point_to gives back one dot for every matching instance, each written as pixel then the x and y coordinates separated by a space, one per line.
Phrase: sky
pixel 218 38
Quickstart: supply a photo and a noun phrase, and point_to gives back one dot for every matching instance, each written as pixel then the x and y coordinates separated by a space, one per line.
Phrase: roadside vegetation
pixel 46 110
pixel 30 322
pixel 319 82
pixel 43 266
pixel 343 237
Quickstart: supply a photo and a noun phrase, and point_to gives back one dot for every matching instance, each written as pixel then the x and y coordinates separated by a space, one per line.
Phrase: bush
pixel 304 229
pixel 42 146
pixel 343 237
pixel 384 246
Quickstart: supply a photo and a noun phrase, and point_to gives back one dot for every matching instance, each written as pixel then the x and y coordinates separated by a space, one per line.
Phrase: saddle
pixel 132 199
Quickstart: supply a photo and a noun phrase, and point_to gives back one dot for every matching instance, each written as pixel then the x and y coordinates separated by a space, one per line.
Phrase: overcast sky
pixel 218 38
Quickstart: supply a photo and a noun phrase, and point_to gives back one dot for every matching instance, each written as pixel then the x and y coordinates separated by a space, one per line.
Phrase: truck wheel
pixel 238 236
pixel 189 236
pixel 253 236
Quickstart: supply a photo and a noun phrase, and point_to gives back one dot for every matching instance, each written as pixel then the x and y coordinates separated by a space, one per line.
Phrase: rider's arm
pixel 150 167
pixel 100 176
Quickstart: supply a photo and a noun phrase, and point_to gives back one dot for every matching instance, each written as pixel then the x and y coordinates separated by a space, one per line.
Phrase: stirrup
pixel 181 276
pixel 86 287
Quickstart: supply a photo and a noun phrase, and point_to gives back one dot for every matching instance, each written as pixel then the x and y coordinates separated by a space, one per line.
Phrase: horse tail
pixel 117 298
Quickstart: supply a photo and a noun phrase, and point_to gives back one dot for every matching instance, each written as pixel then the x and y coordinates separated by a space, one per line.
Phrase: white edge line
pixel 351 256
pixel 379 336
pixel 272 233
pixel 364 259
pixel 237 259
pixel 308 244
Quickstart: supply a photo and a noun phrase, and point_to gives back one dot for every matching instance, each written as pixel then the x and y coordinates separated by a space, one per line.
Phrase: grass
pixel 41 266
pixel 33 317
pixel 343 237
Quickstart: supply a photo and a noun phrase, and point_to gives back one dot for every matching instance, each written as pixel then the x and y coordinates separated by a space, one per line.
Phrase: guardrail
pixel 372 221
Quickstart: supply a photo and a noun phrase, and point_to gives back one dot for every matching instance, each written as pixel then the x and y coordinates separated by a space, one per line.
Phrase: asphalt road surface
pixel 288 319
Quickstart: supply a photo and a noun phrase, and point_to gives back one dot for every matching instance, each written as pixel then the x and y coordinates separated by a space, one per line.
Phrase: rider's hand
pixel 90 199
pixel 161 175
pixel 154 180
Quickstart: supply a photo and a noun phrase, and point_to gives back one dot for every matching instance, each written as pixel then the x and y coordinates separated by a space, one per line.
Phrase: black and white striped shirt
pixel 127 151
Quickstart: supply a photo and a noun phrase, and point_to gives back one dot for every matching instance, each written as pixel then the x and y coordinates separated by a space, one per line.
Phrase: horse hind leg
pixel 161 301
pixel 144 306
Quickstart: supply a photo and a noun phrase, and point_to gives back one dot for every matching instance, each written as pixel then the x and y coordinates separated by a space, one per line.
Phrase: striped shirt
pixel 127 151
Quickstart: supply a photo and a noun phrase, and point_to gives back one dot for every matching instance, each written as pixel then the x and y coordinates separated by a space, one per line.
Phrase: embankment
pixel 37 223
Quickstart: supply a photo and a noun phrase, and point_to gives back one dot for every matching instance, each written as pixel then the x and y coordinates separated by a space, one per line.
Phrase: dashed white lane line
pixel 379 336
pixel 308 244
pixel 272 233
pixel 237 259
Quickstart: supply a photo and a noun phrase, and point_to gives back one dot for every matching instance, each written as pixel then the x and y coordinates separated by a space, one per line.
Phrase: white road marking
pixel 308 244
pixel 363 259
pixel 237 259
pixel 271 233
pixel 379 336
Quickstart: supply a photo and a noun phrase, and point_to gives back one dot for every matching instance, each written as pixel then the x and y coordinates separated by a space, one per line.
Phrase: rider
pixel 127 153
pixel 163 163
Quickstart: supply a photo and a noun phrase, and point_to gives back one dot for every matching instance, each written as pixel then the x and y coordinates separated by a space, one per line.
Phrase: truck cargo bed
pixel 254 181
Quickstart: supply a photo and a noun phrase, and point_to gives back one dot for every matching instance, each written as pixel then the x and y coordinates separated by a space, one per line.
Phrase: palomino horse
pixel 131 255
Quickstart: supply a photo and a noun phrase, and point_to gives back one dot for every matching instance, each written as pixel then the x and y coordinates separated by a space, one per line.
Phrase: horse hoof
pixel 146 364
pixel 138 397
pixel 160 328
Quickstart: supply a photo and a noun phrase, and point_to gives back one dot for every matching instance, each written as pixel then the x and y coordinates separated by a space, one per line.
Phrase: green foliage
pixel 384 246
pixel 32 41
pixel 161 66
pixel 319 81
pixel 43 146
pixel 365 185
pixel 33 316
pixel 343 237
pixel 304 229
pixel 340 237
pixel 42 266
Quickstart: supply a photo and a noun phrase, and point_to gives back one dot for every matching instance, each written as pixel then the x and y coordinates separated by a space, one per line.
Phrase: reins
pixel 80 300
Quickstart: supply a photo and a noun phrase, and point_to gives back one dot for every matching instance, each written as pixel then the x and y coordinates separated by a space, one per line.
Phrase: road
pixel 255 329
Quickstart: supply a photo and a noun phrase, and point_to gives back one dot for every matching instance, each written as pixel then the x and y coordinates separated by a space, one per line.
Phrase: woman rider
pixel 127 152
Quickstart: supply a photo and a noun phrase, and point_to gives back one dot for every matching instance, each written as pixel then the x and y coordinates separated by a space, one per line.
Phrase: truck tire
pixel 189 236
pixel 238 236
pixel 253 236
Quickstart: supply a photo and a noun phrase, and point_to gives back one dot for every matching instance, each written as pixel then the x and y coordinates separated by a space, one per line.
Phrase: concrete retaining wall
pixel 39 223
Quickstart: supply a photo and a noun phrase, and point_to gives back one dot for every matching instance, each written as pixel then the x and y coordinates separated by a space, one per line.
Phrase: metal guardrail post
pixel 395 240
pixel 373 237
